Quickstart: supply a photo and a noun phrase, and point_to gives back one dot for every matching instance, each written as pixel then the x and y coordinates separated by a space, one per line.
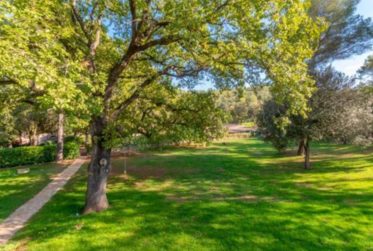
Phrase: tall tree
pixel 348 33
pixel 125 47
pixel 339 113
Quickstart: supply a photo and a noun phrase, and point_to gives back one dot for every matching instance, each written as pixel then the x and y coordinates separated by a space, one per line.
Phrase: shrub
pixel 48 142
pixel 77 139
pixel 71 150
pixel 27 155
pixel 50 153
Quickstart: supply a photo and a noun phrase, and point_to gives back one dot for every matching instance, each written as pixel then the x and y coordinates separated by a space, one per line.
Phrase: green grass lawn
pixel 237 195
pixel 16 189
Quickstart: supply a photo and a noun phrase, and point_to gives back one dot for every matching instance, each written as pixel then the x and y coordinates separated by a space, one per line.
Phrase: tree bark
pixel 60 134
pixel 86 141
pixel 33 137
pixel 98 170
pixel 307 150
pixel 300 151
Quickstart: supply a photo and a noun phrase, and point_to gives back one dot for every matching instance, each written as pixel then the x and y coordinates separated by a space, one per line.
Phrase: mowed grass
pixel 233 195
pixel 16 189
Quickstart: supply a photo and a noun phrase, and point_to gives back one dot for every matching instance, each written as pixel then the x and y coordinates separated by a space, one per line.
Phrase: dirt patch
pixel 152 172
pixel 23 245
pixel 216 197
pixel 311 185
pixel 148 172
pixel 178 199
pixel 125 153
pixel 305 184
pixel 220 170
pixel 351 202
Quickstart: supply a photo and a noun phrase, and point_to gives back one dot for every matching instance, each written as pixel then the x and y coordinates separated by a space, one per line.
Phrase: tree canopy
pixel 338 111
pixel 348 33
pixel 366 71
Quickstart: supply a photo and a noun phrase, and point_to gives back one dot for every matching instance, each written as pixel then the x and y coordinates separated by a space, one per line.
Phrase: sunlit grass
pixel 232 195
pixel 16 189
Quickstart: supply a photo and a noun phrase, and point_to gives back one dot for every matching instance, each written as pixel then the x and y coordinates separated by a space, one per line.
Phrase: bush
pixel 71 150
pixel 48 143
pixel 77 139
pixel 27 155
pixel 50 153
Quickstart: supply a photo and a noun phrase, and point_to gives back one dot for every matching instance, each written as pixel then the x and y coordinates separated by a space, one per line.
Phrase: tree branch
pixel 135 94
pixel 134 17
pixel 222 6
pixel 8 82
pixel 80 21
pixel 161 41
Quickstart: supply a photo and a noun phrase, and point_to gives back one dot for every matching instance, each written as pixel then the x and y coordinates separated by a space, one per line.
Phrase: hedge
pixel 26 155
pixel 71 150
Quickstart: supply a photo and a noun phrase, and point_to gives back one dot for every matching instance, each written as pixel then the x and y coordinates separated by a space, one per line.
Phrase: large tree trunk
pixel 33 136
pixel 98 170
pixel 60 132
pixel 307 150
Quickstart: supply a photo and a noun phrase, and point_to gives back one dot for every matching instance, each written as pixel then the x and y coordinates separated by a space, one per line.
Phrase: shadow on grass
pixel 241 195
pixel 16 189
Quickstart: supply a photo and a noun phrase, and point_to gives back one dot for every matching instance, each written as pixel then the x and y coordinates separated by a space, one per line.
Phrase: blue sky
pixel 351 65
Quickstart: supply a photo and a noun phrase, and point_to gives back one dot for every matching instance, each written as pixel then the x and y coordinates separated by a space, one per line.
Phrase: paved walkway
pixel 18 218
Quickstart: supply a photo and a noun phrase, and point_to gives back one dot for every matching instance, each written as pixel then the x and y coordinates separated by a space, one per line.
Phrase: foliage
pixel 23 118
pixel 340 113
pixel 26 155
pixel 348 33
pixel 166 115
pixel 109 55
pixel 7 127
pixel 103 55
pixel 337 111
pixel 184 197
pixel 73 138
pixel 71 150
pixel 268 127
pixel 35 65
pixel 243 104
pixel 366 72
pixel 38 74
